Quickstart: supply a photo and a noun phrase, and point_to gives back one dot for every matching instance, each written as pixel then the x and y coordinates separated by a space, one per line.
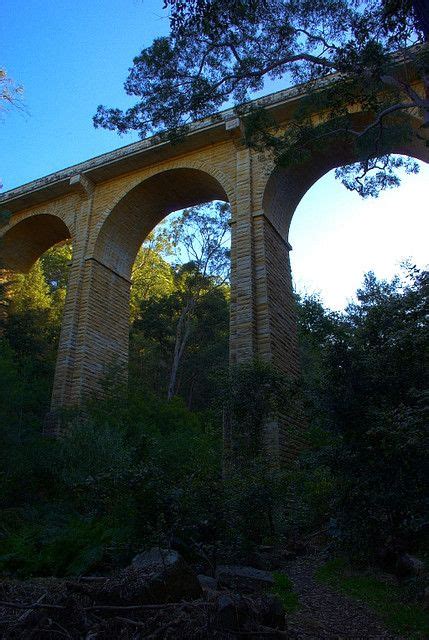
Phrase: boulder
pixel 269 558
pixel 232 613
pixel 408 566
pixel 273 613
pixel 155 576
pixel 170 578
pixel 244 579
pixel 207 582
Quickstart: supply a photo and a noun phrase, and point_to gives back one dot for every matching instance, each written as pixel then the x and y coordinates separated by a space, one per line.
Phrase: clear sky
pixel 72 56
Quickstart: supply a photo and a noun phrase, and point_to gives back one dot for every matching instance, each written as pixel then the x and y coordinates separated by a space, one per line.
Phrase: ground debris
pixel 42 609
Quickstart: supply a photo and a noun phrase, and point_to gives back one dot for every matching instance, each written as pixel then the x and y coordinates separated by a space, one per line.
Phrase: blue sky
pixel 72 56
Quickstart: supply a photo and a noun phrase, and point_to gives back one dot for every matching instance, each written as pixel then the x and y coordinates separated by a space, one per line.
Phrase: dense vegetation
pixel 144 465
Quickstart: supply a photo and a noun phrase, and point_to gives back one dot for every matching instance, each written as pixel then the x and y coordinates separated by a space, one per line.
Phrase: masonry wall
pixel 107 223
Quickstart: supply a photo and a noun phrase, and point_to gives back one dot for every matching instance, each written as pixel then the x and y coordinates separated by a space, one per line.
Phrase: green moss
pixel 410 620
pixel 283 587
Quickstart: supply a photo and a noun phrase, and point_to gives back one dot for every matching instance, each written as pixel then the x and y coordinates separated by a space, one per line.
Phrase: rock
pixel 408 566
pixel 231 613
pixel 273 613
pixel 269 558
pixel 265 558
pixel 155 576
pixel 299 548
pixel 207 582
pixel 244 579
pixel 156 557
pixel 288 555
pixel 170 575
pixel 181 547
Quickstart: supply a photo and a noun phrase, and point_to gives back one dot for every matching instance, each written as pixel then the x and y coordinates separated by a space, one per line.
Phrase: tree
pixel 55 265
pixel 10 92
pixel 161 326
pixel 202 233
pixel 31 307
pixel 152 276
pixel 366 385
pixel 221 50
pixel 373 394
pixel 199 236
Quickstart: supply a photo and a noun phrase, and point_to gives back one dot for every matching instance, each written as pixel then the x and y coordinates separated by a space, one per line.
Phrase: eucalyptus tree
pixel 182 326
pixel 223 51
pixel 201 234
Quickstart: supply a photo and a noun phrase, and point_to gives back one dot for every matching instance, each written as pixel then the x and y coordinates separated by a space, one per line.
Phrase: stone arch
pixel 276 200
pixel 146 204
pixel 200 165
pixel 104 282
pixel 24 241
pixel 285 187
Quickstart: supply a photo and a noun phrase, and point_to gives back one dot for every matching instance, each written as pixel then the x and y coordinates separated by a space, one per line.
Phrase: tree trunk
pixel 182 336
pixel 191 393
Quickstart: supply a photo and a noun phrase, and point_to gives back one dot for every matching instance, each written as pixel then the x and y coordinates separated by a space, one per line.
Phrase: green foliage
pixel 255 504
pixel 254 394
pixel 55 265
pixel 133 472
pixel 365 391
pixel 223 50
pixel 154 335
pixel 283 587
pixel 30 291
pixel 70 548
pixel 374 175
pixel 378 382
pixel 202 234
pixel 389 601
pixel 152 275
pixel 219 51
pixel 180 333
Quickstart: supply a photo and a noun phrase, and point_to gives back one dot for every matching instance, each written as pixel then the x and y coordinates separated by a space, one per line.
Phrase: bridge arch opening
pixel 116 247
pixel 26 241
pixel 145 206
pixel 35 257
pixel 286 187
pixel 337 236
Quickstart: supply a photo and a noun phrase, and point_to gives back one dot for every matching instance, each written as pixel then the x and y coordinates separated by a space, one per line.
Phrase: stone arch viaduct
pixel 106 206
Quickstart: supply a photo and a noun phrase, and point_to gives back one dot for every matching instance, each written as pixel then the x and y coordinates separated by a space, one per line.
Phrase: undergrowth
pixel 387 600
pixel 283 587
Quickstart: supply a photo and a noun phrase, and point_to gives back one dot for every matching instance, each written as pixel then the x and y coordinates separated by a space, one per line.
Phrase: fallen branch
pixel 259 633
pixel 26 613
pixel 92 578
pixel 105 607
pixel 34 605
pixel 135 607
pixel 136 623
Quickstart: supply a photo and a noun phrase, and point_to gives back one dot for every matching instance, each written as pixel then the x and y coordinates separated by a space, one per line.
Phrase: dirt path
pixel 325 614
